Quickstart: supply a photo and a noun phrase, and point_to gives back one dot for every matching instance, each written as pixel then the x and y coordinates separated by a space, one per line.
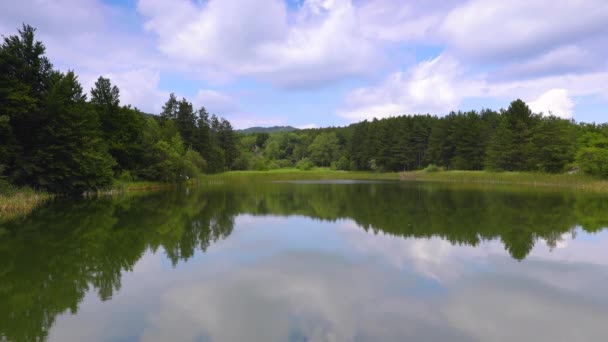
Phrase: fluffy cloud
pixel 320 42
pixel 436 86
pixel 554 101
pixel 563 60
pixel 215 102
pixel 499 29
pixel 440 85
pixel 138 87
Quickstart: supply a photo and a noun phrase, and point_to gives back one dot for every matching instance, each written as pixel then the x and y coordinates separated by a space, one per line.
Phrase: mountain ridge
pixel 271 129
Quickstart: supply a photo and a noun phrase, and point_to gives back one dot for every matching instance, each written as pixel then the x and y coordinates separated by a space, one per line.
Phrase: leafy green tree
pixel 324 149
pixel 594 161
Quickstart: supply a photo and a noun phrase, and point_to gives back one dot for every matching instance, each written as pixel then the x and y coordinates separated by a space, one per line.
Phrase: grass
pixel 529 179
pixel 20 202
pixel 15 203
pixel 295 174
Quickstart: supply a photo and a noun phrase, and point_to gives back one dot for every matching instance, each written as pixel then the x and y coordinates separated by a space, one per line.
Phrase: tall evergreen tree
pixel 72 157
pixel 25 75
pixel 509 149
pixel 170 108
pixel 185 119
pixel 553 144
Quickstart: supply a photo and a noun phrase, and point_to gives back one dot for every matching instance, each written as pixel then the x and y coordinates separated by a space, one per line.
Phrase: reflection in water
pixel 408 261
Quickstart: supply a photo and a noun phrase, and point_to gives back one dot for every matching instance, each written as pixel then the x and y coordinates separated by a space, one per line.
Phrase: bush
pixel 258 163
pixel 432 168
pixel 305 164
pixel 273 165
pixel 343 164
pixel 196 159
pixel 594 161
pixel 284 163
pixel 6 188
pixel 125 176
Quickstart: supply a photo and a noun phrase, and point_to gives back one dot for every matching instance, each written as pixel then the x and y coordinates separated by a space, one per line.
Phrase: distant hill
pixel 273 129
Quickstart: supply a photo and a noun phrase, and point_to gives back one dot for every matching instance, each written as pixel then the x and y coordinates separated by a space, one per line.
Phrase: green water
pixel 306 261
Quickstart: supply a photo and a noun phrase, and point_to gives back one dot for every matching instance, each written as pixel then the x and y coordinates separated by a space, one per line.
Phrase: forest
pixel 55 138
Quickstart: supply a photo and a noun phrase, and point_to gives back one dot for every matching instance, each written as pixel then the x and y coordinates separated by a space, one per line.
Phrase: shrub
pixel 594 161
pixel 258 163
pixel 343 164
pixel 432 168
pixel 305 164
pixel 273 165
pixel 284 163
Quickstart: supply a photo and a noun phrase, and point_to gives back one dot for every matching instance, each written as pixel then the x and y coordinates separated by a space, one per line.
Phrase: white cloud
pixel 505 29
pixel 215 102
pixel 440 85
pixel 138 87
pixel 398 21
pixel 308 126
pixel 554 101
pixel 436 86
pixel 319 43
pixel 566 59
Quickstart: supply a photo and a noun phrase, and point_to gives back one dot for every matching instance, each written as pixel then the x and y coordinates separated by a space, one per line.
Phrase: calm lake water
pixel 307 261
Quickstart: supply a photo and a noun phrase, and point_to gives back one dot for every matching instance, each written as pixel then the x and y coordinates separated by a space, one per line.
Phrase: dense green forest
pixel 514 139
pixel 53 137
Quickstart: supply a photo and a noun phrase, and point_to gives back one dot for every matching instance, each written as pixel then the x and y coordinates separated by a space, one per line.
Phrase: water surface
pixel 309 261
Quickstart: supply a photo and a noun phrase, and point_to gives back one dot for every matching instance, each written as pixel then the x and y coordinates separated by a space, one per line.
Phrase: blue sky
pixel 313 63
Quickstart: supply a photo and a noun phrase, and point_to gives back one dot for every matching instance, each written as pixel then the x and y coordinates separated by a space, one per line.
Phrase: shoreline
pixel 23 201
pixel 521 179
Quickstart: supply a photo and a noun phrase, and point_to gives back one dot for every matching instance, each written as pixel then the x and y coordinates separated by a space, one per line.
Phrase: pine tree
pixel 553 144
pixel 509 148
pixel 170 109
pixel 25 75
pixel 72 157
pixel 186 122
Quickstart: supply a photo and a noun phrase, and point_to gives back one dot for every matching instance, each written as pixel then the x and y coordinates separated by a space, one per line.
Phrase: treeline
pixel 508 140
pixel 53 138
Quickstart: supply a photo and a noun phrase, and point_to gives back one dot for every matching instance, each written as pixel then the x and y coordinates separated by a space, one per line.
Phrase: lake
pixel 309 261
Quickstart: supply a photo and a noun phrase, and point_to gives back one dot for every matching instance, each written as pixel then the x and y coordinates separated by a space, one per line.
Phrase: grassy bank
pixel 20 202
pixel 528 179
pixel 295 174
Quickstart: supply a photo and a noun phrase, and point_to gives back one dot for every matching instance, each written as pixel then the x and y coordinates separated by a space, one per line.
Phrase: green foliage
pixel 342 164
pixel 432 168
pixel 72 157
pixel 324 149
pixel 594 161
pixel 305 164
pixel 509 149
pixel 553 145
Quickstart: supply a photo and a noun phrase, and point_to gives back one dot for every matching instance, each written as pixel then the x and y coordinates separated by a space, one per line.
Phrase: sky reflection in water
pixel 281 273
